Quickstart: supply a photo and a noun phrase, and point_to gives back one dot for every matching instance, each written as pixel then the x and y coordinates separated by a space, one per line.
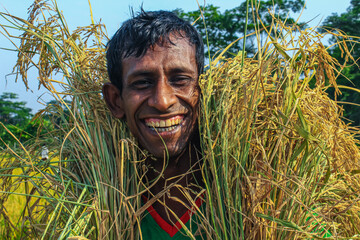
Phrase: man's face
pixel 160 96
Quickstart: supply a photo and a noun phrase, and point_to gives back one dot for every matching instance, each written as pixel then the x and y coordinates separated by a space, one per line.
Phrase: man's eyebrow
pixel 182 70
pixel 141 73
pixel 170 71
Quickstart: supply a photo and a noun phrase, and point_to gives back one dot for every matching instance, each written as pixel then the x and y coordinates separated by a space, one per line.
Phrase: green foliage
pixel 224 28
pixel 18 123
pixel 16 118
pixel 12 111
pixel 349 23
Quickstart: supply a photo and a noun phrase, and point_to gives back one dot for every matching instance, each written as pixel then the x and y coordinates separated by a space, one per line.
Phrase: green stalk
pixel 245 32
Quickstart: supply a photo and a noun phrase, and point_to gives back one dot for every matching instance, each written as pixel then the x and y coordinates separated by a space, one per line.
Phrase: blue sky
pixel 112 13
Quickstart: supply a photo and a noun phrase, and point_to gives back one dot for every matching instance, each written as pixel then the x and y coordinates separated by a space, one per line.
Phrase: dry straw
pixel 278 161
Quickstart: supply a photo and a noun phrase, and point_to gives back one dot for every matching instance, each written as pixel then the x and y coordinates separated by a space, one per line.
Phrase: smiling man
pixel 154 62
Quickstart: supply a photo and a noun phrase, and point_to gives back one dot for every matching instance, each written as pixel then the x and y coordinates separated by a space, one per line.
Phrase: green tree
pixel 13 111
pixel 17 118
pixel 349 23
pixel 225 27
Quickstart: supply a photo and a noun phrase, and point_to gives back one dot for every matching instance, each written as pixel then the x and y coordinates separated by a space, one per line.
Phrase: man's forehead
pixel 178 58
pixel 165 42
pixel 175 46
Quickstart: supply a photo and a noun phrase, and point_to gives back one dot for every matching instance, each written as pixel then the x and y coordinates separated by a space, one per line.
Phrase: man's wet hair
pixel 143 31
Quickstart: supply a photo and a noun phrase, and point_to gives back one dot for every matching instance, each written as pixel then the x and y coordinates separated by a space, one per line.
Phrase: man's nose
pixel 163 96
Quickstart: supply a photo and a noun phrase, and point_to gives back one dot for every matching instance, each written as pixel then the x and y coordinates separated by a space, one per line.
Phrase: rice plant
pixel 278 161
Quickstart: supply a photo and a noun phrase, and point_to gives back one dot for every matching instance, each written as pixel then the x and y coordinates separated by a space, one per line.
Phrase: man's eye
pixel 181 80
pixel 141 84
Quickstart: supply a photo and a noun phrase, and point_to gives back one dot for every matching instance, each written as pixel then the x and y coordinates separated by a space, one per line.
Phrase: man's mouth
pixel 164 125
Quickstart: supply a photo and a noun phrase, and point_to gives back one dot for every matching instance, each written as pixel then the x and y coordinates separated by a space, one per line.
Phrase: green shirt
pixel 153 226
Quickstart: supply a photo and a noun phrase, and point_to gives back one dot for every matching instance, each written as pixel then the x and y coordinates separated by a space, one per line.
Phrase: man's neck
pixel 177 179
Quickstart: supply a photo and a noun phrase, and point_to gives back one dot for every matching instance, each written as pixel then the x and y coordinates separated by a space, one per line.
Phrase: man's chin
pixel 166 153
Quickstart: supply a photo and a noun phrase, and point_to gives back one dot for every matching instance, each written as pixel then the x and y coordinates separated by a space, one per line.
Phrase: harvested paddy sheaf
pixel 289 156
pixel 278 161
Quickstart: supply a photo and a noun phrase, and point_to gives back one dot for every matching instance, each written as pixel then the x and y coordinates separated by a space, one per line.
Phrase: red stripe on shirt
pixel 172 229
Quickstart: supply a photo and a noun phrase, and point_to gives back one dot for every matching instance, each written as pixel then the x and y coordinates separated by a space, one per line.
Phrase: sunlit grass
pixel 15 202
pixel 19 195
pixel 13 209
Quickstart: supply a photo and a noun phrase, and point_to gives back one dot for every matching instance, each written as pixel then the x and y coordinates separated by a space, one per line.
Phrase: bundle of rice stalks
pixel 279 163
pixel 90 182
pixel 289 169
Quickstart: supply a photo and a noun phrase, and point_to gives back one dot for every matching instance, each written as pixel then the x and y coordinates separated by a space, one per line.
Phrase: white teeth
pixel 164 125
pixel 168 123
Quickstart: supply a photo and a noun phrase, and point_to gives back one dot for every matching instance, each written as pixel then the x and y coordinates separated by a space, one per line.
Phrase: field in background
pixel 15 203
pixel 13 206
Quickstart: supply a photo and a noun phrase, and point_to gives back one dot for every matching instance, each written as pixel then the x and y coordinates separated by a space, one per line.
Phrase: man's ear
pixel 113 100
